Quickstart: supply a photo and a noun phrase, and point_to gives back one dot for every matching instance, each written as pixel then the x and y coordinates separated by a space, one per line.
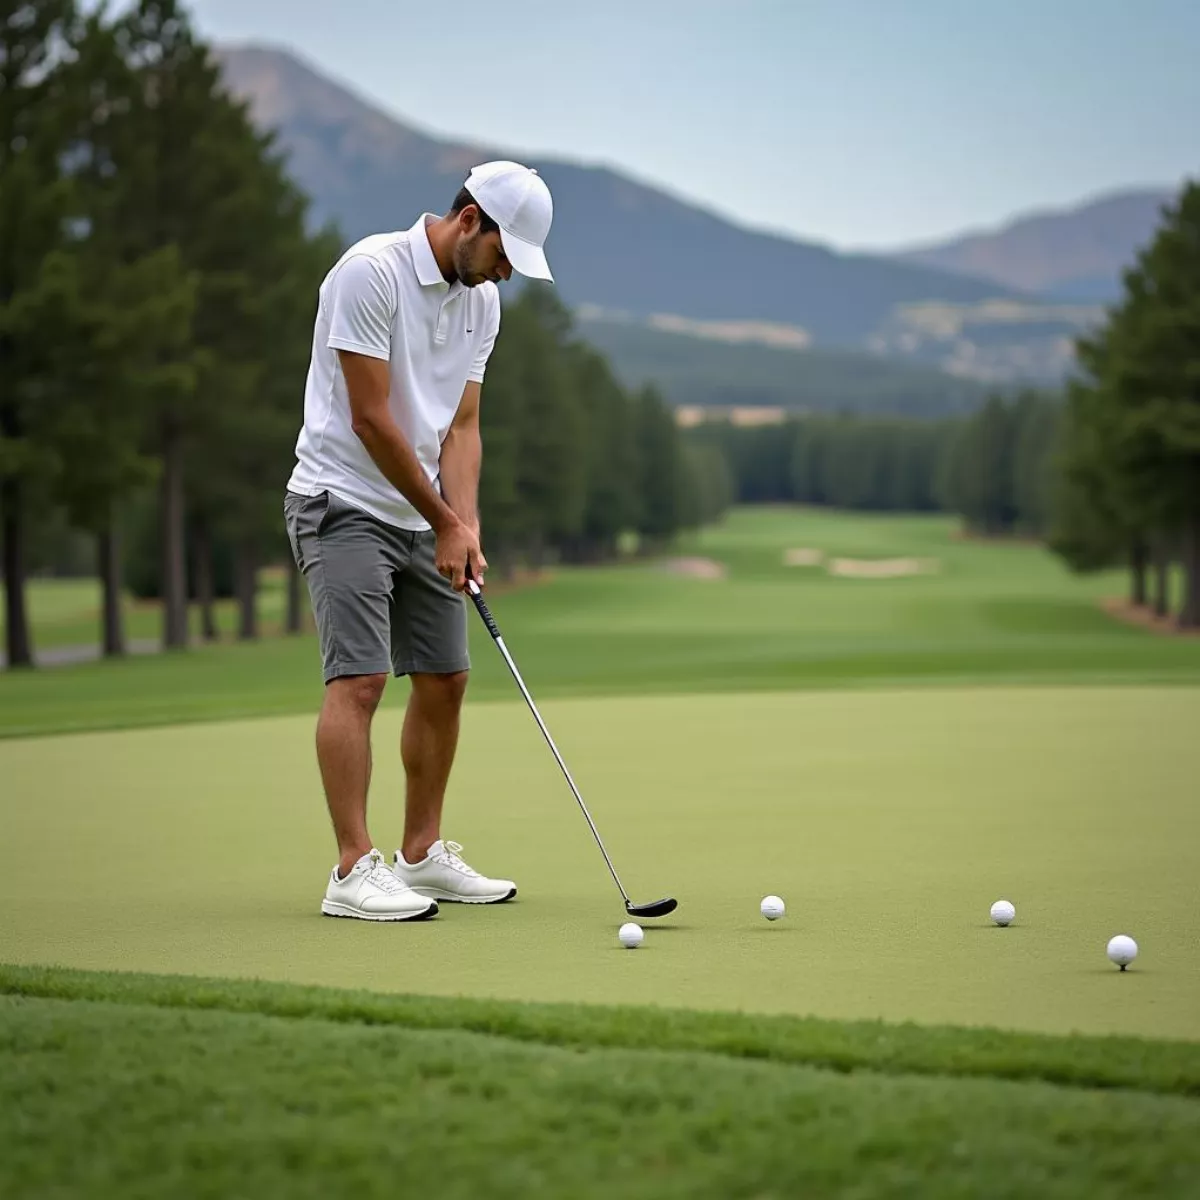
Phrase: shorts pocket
pixel 322 509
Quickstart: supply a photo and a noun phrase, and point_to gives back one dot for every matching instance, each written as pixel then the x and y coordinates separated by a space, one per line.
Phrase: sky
pixel 864 124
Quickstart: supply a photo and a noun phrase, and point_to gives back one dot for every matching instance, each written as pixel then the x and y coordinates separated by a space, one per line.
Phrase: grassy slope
pixel 359 1095
pixel 992 614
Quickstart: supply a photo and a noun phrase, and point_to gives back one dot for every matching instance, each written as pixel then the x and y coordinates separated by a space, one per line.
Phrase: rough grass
pixel 135 1090
pixel 1163 1066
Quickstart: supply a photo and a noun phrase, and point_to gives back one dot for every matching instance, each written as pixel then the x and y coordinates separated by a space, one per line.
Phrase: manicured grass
pixel 888 821
pixel 992 613
pixel 104 1098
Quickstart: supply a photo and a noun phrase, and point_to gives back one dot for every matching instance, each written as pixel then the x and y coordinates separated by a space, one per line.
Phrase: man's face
pixel 479 256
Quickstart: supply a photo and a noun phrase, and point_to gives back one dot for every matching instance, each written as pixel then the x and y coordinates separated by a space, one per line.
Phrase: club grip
pixel 481 604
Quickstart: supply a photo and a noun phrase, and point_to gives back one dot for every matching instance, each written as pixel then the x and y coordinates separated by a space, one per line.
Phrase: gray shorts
pixel 377 597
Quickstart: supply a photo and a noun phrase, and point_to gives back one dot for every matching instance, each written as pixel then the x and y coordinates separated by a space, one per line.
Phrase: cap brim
pixel 526 257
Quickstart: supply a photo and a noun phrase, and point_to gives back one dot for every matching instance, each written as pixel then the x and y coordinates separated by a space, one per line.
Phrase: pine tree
pixel 661 476
pixel 184 161
pixel 1036 418
pixel 35 136
pixel 609 454
pixel 1153 374
pixel 550 481
pixel 124 323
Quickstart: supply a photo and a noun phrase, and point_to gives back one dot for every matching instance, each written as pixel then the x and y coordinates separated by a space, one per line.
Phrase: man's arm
pixel 367 384
pixel 462 456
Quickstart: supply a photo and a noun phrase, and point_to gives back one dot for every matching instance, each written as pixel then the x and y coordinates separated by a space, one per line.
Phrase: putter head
pixel 657 908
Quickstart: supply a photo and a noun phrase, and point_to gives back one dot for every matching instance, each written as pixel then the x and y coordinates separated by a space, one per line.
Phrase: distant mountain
pixel 697 369
pixel 1074 254
pixel 615 243
pixel 620 246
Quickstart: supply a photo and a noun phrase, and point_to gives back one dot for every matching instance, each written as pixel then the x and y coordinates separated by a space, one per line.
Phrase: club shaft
pixel 512 666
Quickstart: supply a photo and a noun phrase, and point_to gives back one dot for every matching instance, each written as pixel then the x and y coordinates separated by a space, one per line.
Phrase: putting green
pixel 888 821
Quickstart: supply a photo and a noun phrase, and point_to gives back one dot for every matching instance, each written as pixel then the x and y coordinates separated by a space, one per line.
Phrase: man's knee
pixel 363 692
pixel 444 691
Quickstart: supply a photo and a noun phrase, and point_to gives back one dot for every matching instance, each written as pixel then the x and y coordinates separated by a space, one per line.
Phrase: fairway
pixel 889 822
pixel 991 613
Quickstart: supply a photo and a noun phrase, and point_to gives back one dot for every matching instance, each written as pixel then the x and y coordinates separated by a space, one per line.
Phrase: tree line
pixel 158 283
pixel 994 468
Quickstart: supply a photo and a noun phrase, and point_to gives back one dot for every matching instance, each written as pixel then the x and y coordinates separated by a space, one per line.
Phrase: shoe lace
pixel 376 872
pixel 449 857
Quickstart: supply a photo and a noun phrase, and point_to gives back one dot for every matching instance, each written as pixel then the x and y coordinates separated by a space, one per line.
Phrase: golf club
pixel 657 908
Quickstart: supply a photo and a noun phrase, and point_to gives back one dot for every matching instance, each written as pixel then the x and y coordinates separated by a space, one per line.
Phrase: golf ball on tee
pixel 1122 950
pixel 631 935
pixel 1003 912
pixel 771 908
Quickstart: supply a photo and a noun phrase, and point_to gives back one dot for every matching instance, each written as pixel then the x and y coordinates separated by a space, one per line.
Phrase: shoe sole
pixel 450 898
pixel 330 908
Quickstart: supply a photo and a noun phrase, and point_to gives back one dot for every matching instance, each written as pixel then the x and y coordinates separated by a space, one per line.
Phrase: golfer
pixel 382 519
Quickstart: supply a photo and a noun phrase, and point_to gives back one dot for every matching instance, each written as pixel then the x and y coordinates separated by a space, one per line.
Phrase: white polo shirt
pixel 385 297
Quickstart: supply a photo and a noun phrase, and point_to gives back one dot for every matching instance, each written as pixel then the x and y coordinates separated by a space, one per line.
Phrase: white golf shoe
pixel 372 893
pixel 444 876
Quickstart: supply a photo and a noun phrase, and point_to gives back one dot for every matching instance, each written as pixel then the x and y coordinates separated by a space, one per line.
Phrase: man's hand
pixel 457 546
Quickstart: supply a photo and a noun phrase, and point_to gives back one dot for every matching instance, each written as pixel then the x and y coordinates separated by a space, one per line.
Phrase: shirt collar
pixel 429 274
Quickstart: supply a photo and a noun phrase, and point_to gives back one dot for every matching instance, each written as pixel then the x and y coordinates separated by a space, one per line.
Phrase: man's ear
pixel 468 218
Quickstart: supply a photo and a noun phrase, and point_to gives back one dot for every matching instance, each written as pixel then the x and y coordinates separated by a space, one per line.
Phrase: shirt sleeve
pixel 491 329
pixel 362 308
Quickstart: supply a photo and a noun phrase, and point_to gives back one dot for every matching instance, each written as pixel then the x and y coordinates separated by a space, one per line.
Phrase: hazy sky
pixel 861 123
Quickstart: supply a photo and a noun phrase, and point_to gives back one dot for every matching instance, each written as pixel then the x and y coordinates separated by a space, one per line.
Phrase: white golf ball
pixel 1122 950
pixel 772 908
pixel 1003 912
pixel 631 935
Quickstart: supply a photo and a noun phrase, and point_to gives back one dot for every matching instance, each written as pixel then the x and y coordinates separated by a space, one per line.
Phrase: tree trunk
pixel 202 552
pixel 1189 613
pixel 1137 566
pixel 295 612
pixel 109 546
pixel 18 646
pixel 174 568
pixel 247 590
pixel 1162 579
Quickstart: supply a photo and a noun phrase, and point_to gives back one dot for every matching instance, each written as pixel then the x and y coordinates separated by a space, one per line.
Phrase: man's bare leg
pixel 344 756
pixel 427 745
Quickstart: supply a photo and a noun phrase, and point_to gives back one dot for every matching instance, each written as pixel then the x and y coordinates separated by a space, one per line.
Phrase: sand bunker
pixel 882 568
pixel 803 558
pixel 696 568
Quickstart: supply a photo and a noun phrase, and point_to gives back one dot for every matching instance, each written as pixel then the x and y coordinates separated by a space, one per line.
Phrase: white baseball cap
pixel 518 200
